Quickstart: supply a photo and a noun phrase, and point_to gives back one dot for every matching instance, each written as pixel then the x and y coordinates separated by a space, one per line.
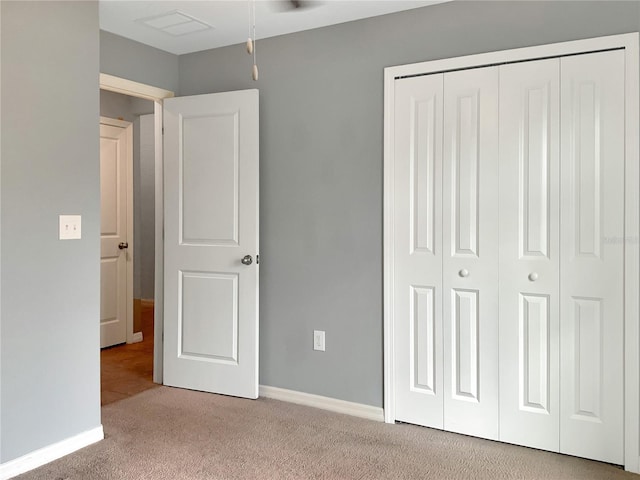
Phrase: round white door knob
pixel 533 276
pixel 463 273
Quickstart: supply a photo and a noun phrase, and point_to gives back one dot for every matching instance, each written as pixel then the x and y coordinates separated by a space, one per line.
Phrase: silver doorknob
pixel 533 276
pixel 463 273
pixel 247 260
pixel 123 245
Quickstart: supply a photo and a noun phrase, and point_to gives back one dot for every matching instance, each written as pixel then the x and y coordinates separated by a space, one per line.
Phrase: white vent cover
pixel 175 23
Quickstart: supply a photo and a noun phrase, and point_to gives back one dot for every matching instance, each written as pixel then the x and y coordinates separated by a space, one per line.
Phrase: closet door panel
pixel 470 252
pixel 418 250
pixel 529 253
pixel 592 255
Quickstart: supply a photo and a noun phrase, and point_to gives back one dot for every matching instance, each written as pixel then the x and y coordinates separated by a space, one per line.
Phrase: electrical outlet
pixel 318 340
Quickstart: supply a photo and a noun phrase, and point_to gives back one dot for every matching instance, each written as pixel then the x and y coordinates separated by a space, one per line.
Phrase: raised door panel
pixel 208 319
pixel 418 250
pixel 534 387
pixel 529 253
pixel 592 255
pixel 465 374
pixel 110 168
pixel 209 209
pixel 422 342
pixel 470 252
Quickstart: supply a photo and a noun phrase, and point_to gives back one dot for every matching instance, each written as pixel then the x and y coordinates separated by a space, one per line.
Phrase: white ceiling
pixel 229 19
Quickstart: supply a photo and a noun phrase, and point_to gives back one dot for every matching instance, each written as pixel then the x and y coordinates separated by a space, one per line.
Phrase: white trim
pixel 158 290
pixel 133 89
pixel 114 122
pixel 387 243
pixel 130 236
pixel 632 208
pixel 514 55
pixel 50 453
pixel 136 337
pixel 0 242
pixel 632 258
pixel 324 403
pixel 147 302
pixel 140 90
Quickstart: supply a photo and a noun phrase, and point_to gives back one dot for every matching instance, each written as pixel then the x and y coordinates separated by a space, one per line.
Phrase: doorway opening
pixel 127 271
pixel 132 362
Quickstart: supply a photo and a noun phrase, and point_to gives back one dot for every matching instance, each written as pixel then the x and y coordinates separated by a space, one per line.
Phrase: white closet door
pixel 418 252
pixel 470 252
pixel 529 253
pixel 592 254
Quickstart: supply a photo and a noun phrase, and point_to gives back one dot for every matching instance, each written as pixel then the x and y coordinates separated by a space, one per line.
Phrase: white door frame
pixel 128 126
pixel 628 42
pixel 157 95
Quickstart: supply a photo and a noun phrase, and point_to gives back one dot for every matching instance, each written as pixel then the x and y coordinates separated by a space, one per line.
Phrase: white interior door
pixel 418 250
pixel 592 255
pixel 529 253
pixel 211 225
pixel 470 252
pixel 115 147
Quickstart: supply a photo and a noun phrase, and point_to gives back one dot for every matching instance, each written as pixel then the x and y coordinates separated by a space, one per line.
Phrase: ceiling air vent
pixel 175 23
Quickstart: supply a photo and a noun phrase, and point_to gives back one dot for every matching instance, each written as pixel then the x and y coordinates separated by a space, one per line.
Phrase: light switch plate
pixel 318 340
pixel 70 227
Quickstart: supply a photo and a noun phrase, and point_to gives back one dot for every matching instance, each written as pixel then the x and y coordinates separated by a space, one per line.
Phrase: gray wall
pixel 49 337
pixel 321 141
pixel 135 61
pixel 321 188
pixel 144 198
pixel 115 105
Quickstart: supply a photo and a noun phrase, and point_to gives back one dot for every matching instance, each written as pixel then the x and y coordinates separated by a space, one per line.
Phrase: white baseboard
pixel 49 454
pixel 137 337
pixel 325 403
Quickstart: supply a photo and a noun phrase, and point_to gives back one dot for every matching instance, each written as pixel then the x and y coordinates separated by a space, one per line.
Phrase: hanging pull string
pixel 249 40
pixel 254 71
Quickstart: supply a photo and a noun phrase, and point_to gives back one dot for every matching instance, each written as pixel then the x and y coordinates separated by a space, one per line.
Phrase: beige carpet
pixel 167 433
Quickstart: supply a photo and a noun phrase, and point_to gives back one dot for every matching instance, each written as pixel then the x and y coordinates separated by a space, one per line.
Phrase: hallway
pixel 127 370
